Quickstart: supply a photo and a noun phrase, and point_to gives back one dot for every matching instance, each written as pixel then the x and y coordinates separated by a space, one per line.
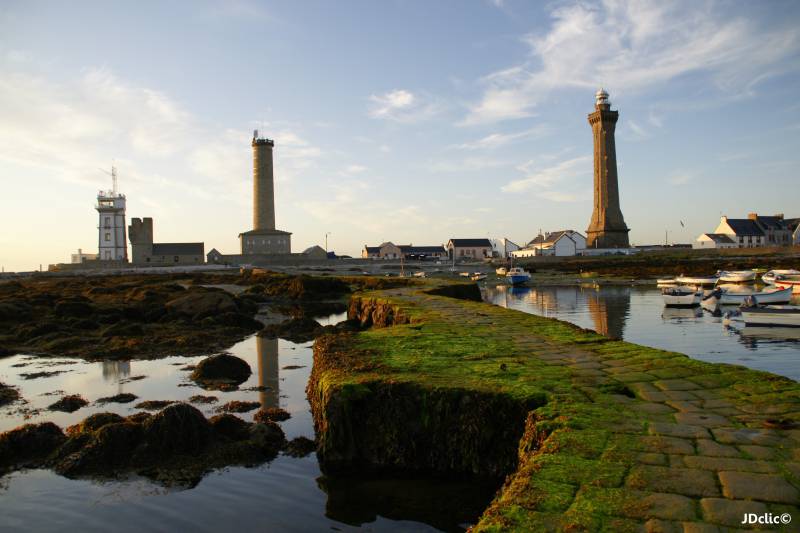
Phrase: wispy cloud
pixel 680 179
pixel 401 105
pixel 634 44
pixel 496 140
pixel 545 178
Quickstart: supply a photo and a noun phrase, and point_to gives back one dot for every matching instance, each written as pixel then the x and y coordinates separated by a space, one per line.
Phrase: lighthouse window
pixel 108 221
pixel 108 236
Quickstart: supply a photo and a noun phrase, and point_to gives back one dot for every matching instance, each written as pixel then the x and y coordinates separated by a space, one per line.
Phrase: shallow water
pixel 287 494
pixel 637 314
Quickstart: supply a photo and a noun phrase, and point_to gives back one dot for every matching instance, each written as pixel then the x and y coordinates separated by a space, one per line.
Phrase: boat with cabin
pixel 517 276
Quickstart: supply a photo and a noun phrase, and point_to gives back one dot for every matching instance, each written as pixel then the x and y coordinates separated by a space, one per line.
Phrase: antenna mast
pixel 113 175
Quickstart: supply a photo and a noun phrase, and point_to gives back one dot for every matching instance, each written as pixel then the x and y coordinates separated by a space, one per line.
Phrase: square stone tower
pixel 607 228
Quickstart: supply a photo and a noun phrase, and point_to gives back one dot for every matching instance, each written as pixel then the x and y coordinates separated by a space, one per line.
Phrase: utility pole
pixel 326 241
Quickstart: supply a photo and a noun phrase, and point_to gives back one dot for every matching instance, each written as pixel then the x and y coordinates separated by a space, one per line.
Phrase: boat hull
pixel 683 300
pixel 771 318
pixel 708 281
pixel 741 276
pixel 781 296
pixel 517 279
pixel 794 284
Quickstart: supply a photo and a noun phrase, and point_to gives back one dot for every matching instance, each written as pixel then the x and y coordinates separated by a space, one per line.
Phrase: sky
pixel 402 120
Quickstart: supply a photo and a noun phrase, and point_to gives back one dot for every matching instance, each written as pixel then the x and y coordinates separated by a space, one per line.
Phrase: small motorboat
pixel 737 276
pixel 681 297
pixel 785 282
pixel 666 282
pixel 771 333
pixel 517 276
pixel 697 281
pixel 420 274
pixel 769 277
pixel 464 274
pixel 771 316
pixel 478 276
pixel 768 296
pixel 502 271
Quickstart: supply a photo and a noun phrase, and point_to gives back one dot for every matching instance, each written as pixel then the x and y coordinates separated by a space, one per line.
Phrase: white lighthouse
pixel 110 206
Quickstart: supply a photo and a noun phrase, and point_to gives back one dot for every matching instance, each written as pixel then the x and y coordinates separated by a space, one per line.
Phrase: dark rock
pixel 123 329
pixel 199 302
pixel 94 422
pixel 179 428
pixel 272 414
pixel 199 398
pixel 8 394
pixel 29 443
pixel 110 447
pixel 124 397
pixel 222 368
pixel 138 418
pixel 74 308
pixel 230 426
pixel 267 436
pixel 69 404
pixel 154 405
pixel 300 447
pixel 295 330
pixel 237 406
pixel 44 374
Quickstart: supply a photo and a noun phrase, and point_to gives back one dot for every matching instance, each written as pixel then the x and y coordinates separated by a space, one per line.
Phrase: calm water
pixel 287 494
pixel 637 314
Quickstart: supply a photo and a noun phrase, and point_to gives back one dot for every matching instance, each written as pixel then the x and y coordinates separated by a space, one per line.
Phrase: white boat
pixel 420 274
pixel 681 297
pixel 737 276
pixel 666 282
pixel 771 333
pixel 793 283
pixel 478 276
pixel 768 296
pixel 464 274
pixel 769 316
pixel 697 281
pixel 769 277
pixel 517 276
pixel 502 271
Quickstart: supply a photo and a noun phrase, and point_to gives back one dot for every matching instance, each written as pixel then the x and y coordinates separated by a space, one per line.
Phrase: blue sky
pixel 409 121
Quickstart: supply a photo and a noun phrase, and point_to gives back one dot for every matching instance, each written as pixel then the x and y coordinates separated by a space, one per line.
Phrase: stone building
pixel 469 248
pixel 145 252
pixel 264 239
pixel 389 250
pixel 111 225
pixel 607 228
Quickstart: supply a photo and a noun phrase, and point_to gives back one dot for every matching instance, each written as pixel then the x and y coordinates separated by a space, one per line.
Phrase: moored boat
pixel 769 277
pixel 502 271
pixel 737 276
pixel 681 297
pixel 772 316
pixel 697 281
pixel 517 276
pixel 666 282
pixel 768 296
pixel 478 276
pixel 793 283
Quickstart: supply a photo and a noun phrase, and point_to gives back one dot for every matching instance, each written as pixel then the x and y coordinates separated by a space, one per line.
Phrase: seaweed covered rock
pixel 69 404
pixel 108 448
pixel 267 436
pixel 238 406
pixel 29 443
pixel 302 287
pixel 153 405
pixel 221 369
pixel 300 447
pixel 177 429
pixel 200 302
pixel 230 426
pixel 272 414
pixel 8 394
pixel 93 422
pixel 301 329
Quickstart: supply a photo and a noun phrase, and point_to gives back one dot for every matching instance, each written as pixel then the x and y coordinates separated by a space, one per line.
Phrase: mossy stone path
pixel 631 438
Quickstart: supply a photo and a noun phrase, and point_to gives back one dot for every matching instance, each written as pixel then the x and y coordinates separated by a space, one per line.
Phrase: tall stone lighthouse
pixel 264 239
pixel 607 228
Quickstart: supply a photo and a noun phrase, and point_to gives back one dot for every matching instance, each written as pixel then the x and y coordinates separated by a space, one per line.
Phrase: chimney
pixel 752 216
pixel 779 216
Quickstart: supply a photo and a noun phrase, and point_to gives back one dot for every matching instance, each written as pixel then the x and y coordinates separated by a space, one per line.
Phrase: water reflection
pixel 116 370
pixel 608 310
pixel 268 371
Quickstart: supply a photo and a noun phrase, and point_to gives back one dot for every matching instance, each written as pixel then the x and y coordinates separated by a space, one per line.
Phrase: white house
pixel 713 240
pixel 504 247
pixel 744 232
pixel 564 243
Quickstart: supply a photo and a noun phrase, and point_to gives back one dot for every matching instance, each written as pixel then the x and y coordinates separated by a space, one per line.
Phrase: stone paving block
pixel 764 487
pixel 684 431
pixel 656 525
pixel 676 460
pixel 649 458
pixel 645 386
pixel 729 463
pixel 729 512
pixel 681 405
pixel 680 395
pixel 746 436
pixel 707 394
pixel 758 452
pixel 651 396
pixel 666 506
pixel 715 449
pixel 676 385
pixel 634 376
pixel 685 481
pixel 700 527
pixel 702 419
pixel 653 408
pixel 714 404
pixel 662 444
